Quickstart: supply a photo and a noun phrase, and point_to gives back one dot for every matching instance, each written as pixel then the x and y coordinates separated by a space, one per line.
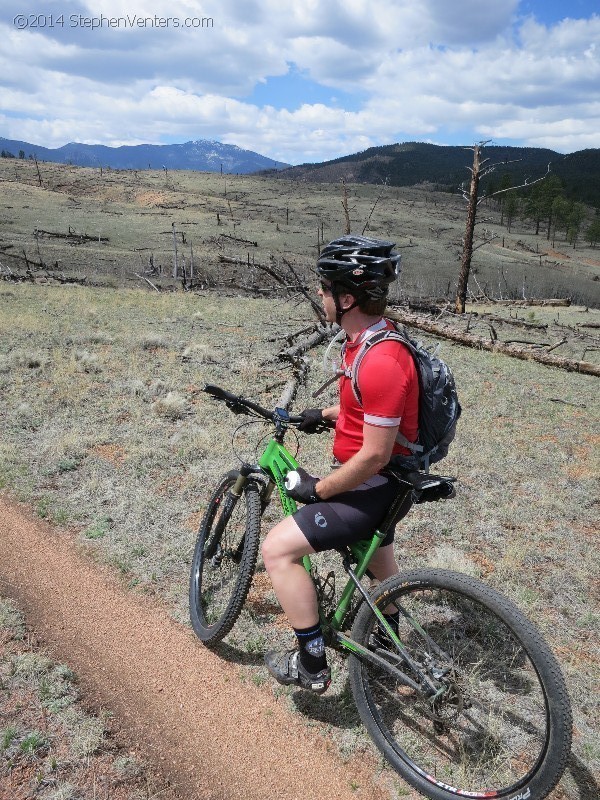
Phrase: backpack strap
pixel 343 370
pixel 370 340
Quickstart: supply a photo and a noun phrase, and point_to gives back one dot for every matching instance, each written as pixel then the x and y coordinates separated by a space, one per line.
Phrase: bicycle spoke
pixel 487 729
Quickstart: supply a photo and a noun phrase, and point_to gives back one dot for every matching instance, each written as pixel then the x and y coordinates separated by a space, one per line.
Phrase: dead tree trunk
pixel 37 166
pixel 345 207
pixel 480 169
pixel 465 264
pixel 175 265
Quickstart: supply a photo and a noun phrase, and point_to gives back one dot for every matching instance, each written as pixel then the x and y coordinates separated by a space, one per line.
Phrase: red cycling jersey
pixel 389 388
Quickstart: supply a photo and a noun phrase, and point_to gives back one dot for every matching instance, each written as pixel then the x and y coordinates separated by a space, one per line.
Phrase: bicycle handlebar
pixel 240 405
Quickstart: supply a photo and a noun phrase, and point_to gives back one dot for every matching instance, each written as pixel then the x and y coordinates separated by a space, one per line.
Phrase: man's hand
pixel 305 491
pixel 312 419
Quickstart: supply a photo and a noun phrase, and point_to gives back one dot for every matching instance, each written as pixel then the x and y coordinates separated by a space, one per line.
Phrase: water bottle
pixel 292 479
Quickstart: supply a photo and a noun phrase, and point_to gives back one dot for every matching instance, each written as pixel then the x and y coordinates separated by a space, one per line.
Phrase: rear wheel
pixel 495 720
pixel 224 558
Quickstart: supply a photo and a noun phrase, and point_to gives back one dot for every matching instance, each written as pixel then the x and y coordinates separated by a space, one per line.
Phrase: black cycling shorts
pixel 351 516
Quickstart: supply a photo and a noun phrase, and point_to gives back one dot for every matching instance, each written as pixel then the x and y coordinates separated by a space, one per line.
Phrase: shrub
pixel 172 406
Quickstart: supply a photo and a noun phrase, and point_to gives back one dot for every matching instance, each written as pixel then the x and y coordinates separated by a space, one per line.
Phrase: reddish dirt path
pixel 182 706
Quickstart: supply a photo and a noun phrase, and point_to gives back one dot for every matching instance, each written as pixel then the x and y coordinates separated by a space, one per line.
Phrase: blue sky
pixel 302 81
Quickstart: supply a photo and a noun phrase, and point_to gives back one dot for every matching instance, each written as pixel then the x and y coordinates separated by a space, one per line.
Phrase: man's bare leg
pixel 283 550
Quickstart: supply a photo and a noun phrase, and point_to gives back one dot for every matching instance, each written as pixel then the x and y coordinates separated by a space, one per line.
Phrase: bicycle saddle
pixel 426 487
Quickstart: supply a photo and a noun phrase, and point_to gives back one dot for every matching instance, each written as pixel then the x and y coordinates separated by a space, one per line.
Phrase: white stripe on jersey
pixel 382 422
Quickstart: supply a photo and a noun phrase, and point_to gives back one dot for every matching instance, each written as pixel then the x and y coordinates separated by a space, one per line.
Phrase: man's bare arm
pixel 331 413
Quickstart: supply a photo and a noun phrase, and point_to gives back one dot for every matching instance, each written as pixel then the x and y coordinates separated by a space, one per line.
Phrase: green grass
pixel 32 743
pixel 7 735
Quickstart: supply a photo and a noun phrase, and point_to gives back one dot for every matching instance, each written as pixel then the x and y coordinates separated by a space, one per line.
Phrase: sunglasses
pixel 325 287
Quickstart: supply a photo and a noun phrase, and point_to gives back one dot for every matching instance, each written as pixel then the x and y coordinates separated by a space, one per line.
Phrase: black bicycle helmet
pixel 363 265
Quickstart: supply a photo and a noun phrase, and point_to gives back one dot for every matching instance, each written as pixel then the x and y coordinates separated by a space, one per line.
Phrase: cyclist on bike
pixel 352 500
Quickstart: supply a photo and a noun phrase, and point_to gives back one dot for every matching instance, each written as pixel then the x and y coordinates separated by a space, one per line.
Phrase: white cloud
pixel 418 70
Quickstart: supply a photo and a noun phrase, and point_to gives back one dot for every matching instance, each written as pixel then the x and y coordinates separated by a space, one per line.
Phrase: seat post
pixel 392 516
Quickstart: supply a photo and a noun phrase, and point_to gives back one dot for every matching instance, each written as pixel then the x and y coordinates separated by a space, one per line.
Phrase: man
pixel 350 502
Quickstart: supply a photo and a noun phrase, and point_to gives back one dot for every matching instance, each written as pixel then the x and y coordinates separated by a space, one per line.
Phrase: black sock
pixel 312 648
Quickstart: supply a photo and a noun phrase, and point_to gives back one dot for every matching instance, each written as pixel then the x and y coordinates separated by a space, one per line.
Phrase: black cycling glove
pixel 312 418
pixel 305 491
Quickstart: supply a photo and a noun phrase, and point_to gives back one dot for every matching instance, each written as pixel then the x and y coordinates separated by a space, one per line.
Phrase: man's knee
pixel 274 546
pixel 284 544
pixel 270 550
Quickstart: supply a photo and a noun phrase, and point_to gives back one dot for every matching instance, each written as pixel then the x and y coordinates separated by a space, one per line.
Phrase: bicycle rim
pixel 492 731
pixel 224 559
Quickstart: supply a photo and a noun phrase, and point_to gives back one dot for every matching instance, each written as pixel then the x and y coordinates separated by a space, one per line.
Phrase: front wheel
pixel 224 558
pixel 493 719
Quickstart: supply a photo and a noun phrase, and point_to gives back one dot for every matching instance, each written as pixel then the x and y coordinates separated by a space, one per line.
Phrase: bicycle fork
pixel 227 506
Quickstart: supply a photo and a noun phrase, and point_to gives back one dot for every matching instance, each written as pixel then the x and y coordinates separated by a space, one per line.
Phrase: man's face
pixel 326 296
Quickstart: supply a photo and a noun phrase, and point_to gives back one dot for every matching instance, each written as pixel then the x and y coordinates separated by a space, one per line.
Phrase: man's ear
pixel 346 300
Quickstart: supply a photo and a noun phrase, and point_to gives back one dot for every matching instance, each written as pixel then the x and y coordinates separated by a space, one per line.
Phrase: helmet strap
pixel 339 311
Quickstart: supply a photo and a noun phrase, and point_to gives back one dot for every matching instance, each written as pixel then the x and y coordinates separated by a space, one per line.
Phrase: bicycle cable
pixel 237 430
pixel 258 446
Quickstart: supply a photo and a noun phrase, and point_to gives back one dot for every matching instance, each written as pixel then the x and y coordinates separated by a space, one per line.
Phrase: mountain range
pixel 406 164
pixel 446 167
pixel 203 155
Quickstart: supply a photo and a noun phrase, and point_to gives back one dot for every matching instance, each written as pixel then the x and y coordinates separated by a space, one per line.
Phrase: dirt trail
pixel 185 708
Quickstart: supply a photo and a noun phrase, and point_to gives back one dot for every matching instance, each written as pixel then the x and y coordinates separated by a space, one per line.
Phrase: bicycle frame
pixel 275 463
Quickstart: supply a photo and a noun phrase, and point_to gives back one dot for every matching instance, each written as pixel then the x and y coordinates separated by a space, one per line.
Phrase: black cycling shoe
pixel 286 668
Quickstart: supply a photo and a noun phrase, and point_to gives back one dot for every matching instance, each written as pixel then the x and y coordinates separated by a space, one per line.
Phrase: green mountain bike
pixel 464 699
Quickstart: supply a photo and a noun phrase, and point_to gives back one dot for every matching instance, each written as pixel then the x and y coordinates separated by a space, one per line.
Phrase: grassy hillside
pixel 106 226
pixel 104 429
pixel 412 163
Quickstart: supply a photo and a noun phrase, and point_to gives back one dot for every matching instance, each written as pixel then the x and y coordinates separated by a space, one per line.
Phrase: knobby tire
pixel 502 727
pixel 224 559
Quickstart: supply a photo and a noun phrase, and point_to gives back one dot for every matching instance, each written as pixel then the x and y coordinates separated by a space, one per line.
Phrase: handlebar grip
pixel 220 394
pixel 239 405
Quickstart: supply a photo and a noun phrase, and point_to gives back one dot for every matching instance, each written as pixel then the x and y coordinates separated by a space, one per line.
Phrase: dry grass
pixel 254 219
pixel 87 449
pixel 50 748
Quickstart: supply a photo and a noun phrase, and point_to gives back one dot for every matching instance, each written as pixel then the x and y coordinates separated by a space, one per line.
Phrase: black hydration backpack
pixel 439 408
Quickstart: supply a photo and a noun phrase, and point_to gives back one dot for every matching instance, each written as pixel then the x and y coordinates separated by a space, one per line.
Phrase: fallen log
pixel 519 323
pixel 318 336
pixel 300 363
pixel 553 301
pixel 316 307
pixel 17 277
pixel 152 285
pixel 240 263
pixel 237 239
pixel 291 388
pixel 72 235
pixel 62 278
pixel 469 340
